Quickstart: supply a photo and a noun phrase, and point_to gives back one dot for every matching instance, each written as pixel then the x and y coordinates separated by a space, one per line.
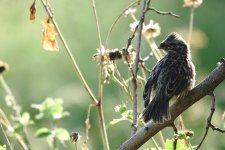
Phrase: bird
pixel 172 76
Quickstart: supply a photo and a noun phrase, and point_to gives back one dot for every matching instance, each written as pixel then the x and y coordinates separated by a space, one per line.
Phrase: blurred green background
pixel 36 74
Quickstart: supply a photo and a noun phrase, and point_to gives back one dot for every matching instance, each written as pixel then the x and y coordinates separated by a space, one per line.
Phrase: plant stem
pixel 5 122
pixel 7 140
pixel 103 128
pixel 75 66
pixel 15 108
pixel 161 138
pixel 154 142
pixel 7 90
pixel 97 23
pixel 124 85
pixel 191 24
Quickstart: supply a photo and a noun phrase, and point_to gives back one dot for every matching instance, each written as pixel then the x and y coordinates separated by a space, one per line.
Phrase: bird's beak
pixel 161 46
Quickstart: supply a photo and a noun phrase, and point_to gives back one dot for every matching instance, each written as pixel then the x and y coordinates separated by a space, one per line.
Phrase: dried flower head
pixel 129 55
pixel 134 25
pixel 3 67
pixel 192 3
pixel 151 30
pixel 130 11
pixel 104 55
pixel 101 55
pixel 74 137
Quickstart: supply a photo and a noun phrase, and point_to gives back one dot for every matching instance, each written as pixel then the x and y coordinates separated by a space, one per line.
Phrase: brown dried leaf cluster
pixel 33 11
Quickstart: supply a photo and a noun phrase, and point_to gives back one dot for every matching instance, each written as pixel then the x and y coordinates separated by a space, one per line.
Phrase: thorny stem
pixel 75 66
pixel 117 19
pixel 7 140
pixel 191 24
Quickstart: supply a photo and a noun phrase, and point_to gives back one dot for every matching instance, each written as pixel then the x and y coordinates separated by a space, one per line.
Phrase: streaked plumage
pixel 173 75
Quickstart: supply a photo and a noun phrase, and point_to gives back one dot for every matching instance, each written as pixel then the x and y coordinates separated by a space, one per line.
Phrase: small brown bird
pixel 173 75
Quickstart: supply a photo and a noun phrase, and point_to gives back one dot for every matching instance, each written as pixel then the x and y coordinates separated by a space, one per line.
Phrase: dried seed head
pixel 129 55
pixel 106 57
pixel 3 67
pixel 151 30
pixel 192 3
pixel 130 11
pixel 133 25
pixel 74 137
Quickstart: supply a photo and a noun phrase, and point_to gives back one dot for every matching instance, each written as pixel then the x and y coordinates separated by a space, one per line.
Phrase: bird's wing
pixel 151 83
pixel 176 82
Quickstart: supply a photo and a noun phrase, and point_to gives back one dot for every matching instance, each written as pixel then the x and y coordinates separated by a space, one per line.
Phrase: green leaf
pixel 43 132
pixel 25 119
pixel 120 108
pixel 180 145
pixel 3 147
pixel 115 121
pixel 62 135
pixel 51 109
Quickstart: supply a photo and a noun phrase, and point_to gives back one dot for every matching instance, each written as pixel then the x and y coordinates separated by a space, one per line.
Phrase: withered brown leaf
pixel 49 36
pixel 33 11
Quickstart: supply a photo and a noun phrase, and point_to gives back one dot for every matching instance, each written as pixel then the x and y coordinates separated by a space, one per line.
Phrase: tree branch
pixel 150 129
pixel 209 123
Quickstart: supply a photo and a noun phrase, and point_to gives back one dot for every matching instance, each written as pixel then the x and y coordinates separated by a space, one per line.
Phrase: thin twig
pixel 175 138
pixel 75 66
pixel 88 125
pixel 5 122
pixel 102 123
pixel 7 90
pixel 117 19
pixel 97 22
pixel 15 108
pixel 191 24
pixel 7 140
pixel 163 13
pixel 145 6
pixel 100 85
pixel 209 123
pixel 124 85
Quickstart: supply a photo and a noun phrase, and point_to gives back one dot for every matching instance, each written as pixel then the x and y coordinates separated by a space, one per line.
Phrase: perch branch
pixel 201 90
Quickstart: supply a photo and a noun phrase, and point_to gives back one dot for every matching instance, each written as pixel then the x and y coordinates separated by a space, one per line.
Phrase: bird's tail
pixel 157 110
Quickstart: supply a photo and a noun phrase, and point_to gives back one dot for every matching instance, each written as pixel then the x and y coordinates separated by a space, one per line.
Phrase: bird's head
pixel 174 42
